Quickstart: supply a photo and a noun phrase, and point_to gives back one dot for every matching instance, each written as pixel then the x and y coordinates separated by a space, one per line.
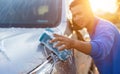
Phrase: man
pixel 104 46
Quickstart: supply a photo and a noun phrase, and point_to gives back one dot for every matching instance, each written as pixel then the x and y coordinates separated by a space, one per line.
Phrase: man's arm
pixel 82 46
pixel 67 43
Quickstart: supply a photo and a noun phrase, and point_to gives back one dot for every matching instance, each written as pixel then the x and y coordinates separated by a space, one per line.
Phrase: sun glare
pixel 102 6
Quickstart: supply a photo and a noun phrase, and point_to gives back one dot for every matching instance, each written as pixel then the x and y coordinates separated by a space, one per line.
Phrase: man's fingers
pixel 56 39
pixel 56 35
pixel 59 44
pixel 62 47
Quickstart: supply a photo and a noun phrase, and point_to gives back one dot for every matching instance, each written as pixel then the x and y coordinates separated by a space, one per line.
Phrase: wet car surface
pixel 21 25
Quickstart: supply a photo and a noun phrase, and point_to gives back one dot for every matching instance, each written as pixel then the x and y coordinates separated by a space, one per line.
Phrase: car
pixel 22 24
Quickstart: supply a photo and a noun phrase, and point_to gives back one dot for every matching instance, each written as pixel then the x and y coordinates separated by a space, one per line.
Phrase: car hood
pixel 20 50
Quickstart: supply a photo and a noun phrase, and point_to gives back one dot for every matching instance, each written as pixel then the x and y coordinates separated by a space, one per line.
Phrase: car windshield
pixel 29 13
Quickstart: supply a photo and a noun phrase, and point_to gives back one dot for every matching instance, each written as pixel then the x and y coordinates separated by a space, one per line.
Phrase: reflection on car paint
pixel 42 10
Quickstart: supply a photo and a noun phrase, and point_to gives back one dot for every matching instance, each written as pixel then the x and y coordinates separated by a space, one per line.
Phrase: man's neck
pixel 91 26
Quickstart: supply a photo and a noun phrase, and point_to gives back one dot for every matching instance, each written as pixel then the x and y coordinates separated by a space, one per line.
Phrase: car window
pixel 30 13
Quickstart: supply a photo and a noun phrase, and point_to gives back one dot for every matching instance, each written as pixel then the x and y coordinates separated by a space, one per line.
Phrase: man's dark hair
pixel 74 3
pixel 77 2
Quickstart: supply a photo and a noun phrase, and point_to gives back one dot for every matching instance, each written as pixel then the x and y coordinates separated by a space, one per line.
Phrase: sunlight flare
pixel 102 6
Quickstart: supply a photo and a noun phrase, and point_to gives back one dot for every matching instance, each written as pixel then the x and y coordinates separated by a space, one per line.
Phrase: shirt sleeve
pixel 102 44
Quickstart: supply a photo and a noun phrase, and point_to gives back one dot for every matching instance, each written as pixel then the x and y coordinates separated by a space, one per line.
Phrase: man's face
pixel 80 16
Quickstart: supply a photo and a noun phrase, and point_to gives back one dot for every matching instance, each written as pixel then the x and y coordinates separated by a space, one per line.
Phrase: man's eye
pixel 78 14
pixel 75 15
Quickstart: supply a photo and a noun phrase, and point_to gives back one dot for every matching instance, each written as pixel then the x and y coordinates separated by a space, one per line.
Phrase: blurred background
pixel 107 9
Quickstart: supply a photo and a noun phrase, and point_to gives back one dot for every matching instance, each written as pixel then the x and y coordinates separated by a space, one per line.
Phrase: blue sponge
pixel 62 55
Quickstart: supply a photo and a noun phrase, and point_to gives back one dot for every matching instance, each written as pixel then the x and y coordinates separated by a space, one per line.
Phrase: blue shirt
pixel 105 50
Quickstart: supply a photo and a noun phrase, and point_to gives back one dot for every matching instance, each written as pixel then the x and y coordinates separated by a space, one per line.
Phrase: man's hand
pixel 62 42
